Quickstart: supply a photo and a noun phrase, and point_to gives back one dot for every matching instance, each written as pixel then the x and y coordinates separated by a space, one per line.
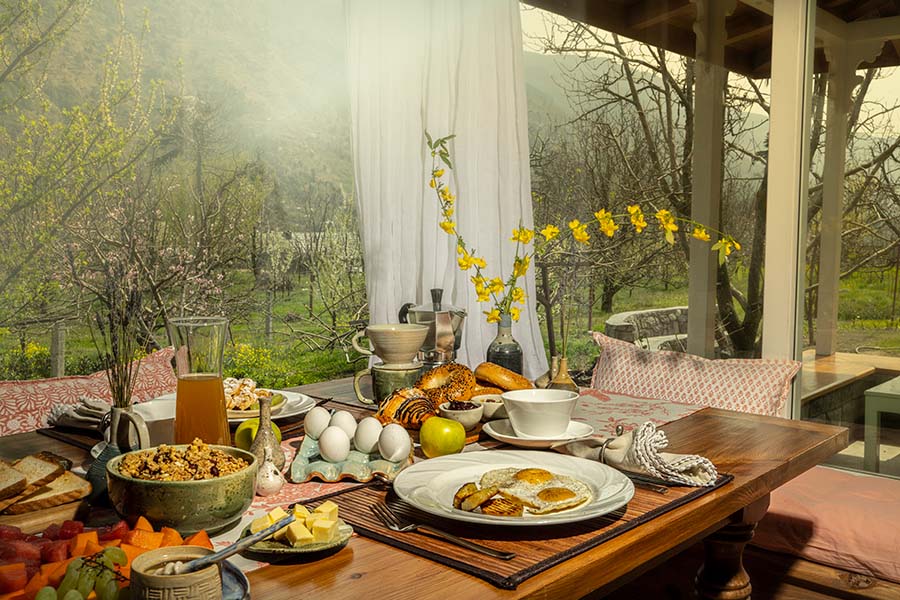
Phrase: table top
pixel 761 453
pixel 890 388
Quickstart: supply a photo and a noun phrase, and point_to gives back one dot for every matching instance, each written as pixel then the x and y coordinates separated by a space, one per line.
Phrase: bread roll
pixel 502 377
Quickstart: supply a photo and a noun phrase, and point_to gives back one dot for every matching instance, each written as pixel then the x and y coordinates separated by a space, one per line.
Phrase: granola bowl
pixel 215 503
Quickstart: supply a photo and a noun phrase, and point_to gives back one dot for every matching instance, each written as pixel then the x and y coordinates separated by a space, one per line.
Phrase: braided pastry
pixel 447 383
pixel 409 407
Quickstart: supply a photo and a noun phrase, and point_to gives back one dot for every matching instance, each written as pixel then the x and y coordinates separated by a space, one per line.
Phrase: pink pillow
pixel 837 518
pixel 24 405
pixel 757 385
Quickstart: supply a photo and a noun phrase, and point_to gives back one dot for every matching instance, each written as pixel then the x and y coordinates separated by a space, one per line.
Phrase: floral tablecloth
pixel 601 410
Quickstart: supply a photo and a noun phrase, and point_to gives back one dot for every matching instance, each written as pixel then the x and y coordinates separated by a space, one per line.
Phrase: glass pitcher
pixel 200 397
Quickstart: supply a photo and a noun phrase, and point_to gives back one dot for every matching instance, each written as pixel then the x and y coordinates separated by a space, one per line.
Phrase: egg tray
pixel 308 464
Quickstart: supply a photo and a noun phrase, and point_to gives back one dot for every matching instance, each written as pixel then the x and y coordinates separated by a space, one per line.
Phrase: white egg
pixel 316 421
pixel 394 443
pixel 367 432
pixel 345 421
pixel 334 444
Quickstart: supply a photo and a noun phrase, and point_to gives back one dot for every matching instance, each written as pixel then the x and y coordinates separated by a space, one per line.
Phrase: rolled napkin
pixel 87 413
pixel 639 452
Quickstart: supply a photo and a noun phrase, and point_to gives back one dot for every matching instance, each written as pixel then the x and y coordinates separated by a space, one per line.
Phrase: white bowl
pixel 540 412
pixel 493 406
pixel 467 418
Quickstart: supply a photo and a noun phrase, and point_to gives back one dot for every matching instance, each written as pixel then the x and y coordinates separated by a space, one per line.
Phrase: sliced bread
pixel 68 487
pixel 38 472
pixel 12 483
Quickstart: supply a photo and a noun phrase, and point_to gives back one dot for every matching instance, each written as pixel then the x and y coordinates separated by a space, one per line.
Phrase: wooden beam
pixel 871 30
pixel 652 12
pixel 828 26
pixel 747 28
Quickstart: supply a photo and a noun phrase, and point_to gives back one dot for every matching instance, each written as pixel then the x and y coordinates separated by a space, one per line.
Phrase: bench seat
pixel 838 518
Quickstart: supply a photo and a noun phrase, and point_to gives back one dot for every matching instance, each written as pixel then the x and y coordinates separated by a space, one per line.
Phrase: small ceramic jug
pixel 265 437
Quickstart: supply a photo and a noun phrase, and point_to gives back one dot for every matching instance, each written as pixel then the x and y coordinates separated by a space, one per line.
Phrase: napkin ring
pixel 603 446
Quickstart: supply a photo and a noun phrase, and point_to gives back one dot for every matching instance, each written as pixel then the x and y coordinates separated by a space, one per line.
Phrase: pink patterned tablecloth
pixel 601 410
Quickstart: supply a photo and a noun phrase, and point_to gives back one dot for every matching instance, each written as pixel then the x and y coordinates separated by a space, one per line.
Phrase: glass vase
pixel 505 350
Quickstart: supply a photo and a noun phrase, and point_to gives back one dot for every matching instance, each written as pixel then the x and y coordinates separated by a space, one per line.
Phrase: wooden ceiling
pixel 748 48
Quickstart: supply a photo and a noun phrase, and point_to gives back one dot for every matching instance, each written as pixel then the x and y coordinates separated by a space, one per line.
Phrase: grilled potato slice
pixel 502 507
pixel 464 492
pixel 478 498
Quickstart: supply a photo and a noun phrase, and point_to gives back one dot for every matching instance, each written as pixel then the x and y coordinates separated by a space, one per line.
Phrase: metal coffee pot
pixel 444 324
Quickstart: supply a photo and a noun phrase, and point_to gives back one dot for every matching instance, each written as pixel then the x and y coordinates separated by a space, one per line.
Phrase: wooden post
pixel 269 307
pixel 843 58
pixel 706 195
pixel 58 350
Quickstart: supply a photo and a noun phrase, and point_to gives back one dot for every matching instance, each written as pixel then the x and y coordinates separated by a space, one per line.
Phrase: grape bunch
pixel 84 574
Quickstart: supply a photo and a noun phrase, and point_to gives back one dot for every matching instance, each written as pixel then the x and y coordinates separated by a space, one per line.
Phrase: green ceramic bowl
pixel 187 506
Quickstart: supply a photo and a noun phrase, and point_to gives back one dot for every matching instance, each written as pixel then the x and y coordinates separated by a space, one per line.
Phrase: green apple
pixel 440 436
pixel 246 432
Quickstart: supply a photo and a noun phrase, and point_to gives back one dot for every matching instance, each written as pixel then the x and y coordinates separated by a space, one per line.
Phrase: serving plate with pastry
pixel 514 487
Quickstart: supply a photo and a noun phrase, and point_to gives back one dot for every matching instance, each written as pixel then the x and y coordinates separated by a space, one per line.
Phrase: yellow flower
pixel 438 173
pixel 496 286
pixel 667 224
pixel 460 249
pixel 579 231
pixel 477 280
pixel 448 226
pixel 483 294
pixel 514 313
pixel 607 225
pixel 493 316
pixel 479 262
pixel 700 233
pixel 448 212
pixel 446 195
pixel 464 262
pixel 520 266
pixel 517 294
pixel 432 184
pixel 522 235
pixel 549 232
pixel 637 217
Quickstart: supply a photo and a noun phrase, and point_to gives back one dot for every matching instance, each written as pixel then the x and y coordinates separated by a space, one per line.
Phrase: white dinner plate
pixel 502 431
pixel 430 485
pixel 294 404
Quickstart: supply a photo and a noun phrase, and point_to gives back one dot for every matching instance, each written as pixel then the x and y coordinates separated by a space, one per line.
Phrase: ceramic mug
pixel 386 379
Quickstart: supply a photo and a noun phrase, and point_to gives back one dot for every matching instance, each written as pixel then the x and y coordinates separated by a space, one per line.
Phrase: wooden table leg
pixel 722 576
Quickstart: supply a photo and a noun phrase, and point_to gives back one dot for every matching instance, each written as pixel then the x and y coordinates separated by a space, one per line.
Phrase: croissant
pixel 409 407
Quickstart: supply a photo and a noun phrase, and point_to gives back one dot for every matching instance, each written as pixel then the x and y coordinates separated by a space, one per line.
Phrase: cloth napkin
pixel 87 413
pixel 640 452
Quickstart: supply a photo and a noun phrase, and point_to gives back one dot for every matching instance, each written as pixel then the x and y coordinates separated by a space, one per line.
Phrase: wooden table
pixel 761 452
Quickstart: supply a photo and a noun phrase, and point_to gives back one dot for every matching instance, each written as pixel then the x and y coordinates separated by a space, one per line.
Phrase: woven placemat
pixel 537 548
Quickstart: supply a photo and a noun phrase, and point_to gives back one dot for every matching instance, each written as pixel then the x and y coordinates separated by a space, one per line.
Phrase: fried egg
pixel 539 490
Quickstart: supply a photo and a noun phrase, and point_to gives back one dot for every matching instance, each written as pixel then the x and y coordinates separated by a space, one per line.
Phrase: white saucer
pixel 502 431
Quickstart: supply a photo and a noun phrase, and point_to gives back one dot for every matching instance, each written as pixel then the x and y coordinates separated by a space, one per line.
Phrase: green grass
pixel 284 361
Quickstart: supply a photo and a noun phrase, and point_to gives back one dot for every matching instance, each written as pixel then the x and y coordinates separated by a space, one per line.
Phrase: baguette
pixel 12 483
pixel 38 472
pixel 66 488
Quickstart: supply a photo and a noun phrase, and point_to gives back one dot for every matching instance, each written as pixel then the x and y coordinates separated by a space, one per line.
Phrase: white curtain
pixel 448 66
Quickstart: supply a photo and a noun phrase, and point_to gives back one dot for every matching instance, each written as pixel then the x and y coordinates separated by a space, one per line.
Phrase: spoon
pixel 238 546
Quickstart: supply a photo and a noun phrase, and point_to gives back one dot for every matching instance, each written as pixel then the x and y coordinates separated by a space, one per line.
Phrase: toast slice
pixel 38 472
pixel 12 483
pixel 68 487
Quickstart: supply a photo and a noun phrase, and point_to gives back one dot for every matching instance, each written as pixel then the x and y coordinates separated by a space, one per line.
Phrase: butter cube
pixel 324 530
pixel 301 512
pixel 276 515
pixel 297 534
pixel 329 509
pixel 259 524
pixel 312 518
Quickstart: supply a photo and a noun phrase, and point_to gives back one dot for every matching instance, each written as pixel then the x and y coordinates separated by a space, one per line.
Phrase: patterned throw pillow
pixel 24 405
pixel 759 386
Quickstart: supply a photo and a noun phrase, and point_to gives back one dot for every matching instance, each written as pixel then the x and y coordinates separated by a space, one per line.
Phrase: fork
pixel 395 523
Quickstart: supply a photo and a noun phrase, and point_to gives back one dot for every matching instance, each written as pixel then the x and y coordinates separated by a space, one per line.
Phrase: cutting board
pixel 36 521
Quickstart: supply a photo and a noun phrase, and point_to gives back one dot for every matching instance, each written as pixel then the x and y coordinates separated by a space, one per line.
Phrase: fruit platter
pixel 68 560
pixel 337 448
